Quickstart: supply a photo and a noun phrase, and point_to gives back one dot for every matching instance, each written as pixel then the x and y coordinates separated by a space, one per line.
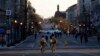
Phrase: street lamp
pixel 68 32
pixel 80 25
pixel 21 23
pixel 60 21
pixel 32 27
pixel 16 30
pixel 56 26
pixel 20 30
pixel 12 40
pixel 31 22
pixel 15 21
pixel 83 24
pixel 39 22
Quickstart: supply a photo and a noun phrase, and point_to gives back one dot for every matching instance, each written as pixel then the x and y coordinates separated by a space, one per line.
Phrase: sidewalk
pixel 17 45
pixel 75 43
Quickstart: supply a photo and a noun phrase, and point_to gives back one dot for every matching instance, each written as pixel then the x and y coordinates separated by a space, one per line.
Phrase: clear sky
pixel 47 8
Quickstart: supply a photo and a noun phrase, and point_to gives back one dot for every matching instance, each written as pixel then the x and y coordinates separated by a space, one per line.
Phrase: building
pixel 88 16
pixel 13 15
pixel 71 14
pixel 59 13
pixel 2 12
pixel 83 4
pixel 86 6
pixel 16 9
pixel 30 21
pixel 85 10
pixel 96 17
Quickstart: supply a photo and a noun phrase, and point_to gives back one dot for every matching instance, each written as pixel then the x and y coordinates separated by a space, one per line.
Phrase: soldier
pixel 42 45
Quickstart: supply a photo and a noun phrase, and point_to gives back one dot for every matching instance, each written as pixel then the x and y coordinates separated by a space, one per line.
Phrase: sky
pixel 47 8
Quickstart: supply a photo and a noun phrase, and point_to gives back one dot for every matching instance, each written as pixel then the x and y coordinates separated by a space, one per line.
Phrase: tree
pixel 35 18
pixel 62 24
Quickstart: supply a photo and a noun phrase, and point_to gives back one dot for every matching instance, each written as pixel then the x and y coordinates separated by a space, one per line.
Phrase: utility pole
pixel 8 13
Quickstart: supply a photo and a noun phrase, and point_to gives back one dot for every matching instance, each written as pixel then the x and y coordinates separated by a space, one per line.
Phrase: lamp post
pixel 15 29
pixel 39 23
pixel 32 29
pixel 20 31
pixel 15 21
pixel 60 21
pixel 21 23
pixel 8 14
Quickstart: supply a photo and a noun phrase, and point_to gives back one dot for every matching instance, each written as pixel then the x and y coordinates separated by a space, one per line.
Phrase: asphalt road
pixel 53 54
pixel 49 51
pixel 58 52
pixel 32 43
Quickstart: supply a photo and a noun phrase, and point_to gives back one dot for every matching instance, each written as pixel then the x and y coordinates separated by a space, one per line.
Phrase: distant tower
pixel 58 7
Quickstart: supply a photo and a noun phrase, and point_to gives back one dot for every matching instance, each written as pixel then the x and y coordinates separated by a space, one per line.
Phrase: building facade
pixel 15 7
pixel 2 12
pixel 86 6
pixel 83 4
pixel 13 15
pixel 85 10
pixel 61 14
pixel 71 14
pixel 30 20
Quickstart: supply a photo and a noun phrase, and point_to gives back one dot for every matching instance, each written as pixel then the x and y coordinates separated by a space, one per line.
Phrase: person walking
pixel 77 34
pixel 98 37
pixel 85 37
pixel 46 37
pixel 81 37
pixel 42 45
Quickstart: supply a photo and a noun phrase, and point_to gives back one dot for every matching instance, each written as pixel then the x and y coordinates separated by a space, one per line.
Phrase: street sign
pixel 8 12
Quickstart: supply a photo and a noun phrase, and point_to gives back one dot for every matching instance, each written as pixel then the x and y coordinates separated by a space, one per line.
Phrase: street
pixel 30 47
pixel 32 43
pixel 50 28
pixel 52 54
pixel 58 52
